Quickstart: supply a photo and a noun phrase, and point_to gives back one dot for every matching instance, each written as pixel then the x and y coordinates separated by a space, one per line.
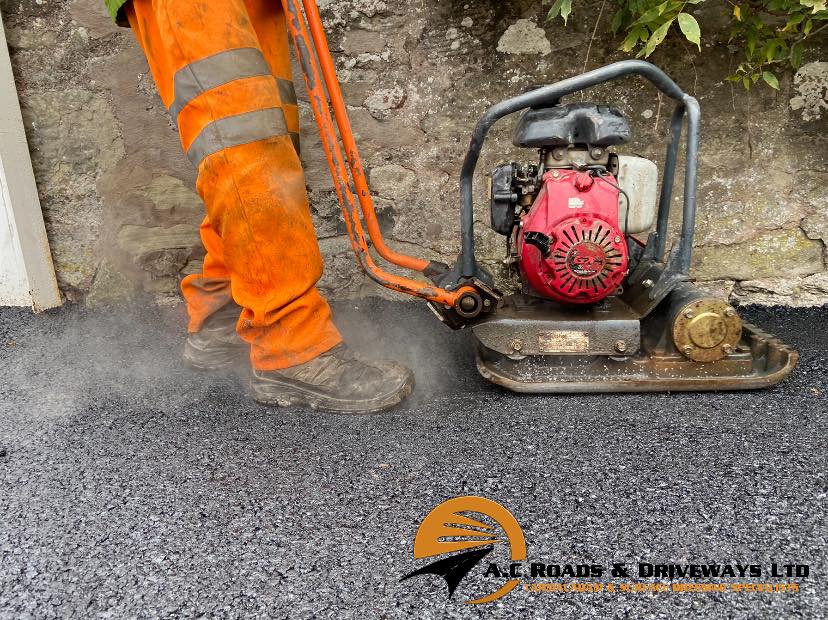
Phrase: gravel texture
pixel 132 487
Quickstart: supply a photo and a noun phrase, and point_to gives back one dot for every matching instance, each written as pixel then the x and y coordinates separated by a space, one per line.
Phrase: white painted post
pixel 27 276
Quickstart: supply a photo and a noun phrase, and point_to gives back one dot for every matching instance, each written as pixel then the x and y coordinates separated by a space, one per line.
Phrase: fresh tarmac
pixel 133 487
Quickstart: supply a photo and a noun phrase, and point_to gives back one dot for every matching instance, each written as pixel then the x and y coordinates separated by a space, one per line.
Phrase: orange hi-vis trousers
pixel 223 70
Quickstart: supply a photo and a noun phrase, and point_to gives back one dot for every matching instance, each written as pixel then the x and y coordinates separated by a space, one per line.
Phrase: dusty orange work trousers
pixel 223 70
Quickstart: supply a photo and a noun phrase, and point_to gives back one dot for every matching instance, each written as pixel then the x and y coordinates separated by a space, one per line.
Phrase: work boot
pixel 217 345
pixel 336 381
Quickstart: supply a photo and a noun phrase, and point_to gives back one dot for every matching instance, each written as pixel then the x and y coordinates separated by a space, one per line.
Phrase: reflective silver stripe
pixel 214 71
pixel 287 91
pixel 237 130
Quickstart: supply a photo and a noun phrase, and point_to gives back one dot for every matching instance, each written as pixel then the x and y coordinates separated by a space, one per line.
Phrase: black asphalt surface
pixel 132 487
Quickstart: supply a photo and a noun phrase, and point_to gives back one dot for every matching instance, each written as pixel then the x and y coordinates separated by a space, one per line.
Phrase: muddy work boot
pixel 336 381
pixel 217 345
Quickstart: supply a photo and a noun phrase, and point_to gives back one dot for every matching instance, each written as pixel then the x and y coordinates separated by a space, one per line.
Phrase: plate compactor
pixel 599 310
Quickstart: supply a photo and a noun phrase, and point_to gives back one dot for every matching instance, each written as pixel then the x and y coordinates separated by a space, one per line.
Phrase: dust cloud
pixel 56 364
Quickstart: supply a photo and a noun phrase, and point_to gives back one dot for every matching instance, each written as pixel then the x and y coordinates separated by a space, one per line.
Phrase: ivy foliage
pixel 769 36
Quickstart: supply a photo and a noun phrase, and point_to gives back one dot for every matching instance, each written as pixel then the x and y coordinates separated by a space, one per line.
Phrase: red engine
pixel 570 246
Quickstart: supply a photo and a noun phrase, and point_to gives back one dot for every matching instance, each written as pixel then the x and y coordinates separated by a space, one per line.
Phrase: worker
pixel 223 70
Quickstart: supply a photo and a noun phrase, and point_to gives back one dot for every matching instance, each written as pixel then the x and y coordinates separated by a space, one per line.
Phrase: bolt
pixel 688 350
pixel 597 153
pixel 517 344
pixel 728 349
pixel 689 314
pixel 647 284
pixel 730 312
pixel 617 240
pixel 555 174
pixel 487 303
pixel 558 154
pixel 620 346
pixel 468 303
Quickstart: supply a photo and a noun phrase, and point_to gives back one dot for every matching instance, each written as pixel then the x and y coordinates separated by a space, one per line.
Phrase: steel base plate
pixel 759 362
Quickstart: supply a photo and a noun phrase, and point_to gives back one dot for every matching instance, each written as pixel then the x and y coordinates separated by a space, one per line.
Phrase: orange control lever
pixel 319 103
pixel 351 150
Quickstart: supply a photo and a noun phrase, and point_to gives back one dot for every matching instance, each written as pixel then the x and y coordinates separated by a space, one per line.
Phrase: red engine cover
pixel 587 259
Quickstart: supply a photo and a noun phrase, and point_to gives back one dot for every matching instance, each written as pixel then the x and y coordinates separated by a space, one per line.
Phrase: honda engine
pixel 571 217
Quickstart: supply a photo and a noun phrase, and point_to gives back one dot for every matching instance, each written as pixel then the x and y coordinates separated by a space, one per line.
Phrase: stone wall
pixel 118 195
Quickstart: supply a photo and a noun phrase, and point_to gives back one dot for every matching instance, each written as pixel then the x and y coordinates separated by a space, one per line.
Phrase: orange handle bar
pixel 319 103
pixel 351 150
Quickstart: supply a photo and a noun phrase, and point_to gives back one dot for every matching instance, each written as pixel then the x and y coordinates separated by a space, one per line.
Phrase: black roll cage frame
pixel 678 267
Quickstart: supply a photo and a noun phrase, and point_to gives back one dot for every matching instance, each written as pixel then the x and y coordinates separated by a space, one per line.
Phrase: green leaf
pixel 566 9
pixel 746 83
pixel 629 43
pixel 562 8
pixel 794 21
pixel 650 16
pixel 771 80
pixel 815 5
pixel 657 37
pixel 636 34
pixel 796 55
pixel 690 27
pixel 771 49
pixel 617 21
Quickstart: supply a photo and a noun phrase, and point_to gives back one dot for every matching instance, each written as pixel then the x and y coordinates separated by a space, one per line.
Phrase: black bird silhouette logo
pixel 450 530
